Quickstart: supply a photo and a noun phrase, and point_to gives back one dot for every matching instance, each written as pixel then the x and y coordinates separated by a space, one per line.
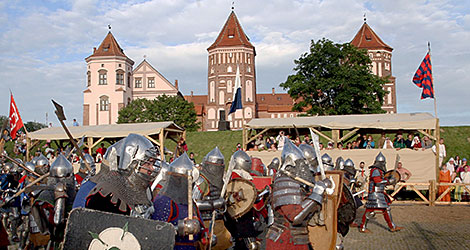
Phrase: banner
pixel 15 119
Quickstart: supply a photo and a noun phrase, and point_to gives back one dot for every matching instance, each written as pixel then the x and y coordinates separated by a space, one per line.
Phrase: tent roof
pixel 106 131
pixel 405 121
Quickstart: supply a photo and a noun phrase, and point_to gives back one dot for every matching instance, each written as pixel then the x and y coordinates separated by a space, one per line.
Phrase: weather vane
pixel 145 57
pixel 109 27
pixel 233 5
pixel 365 17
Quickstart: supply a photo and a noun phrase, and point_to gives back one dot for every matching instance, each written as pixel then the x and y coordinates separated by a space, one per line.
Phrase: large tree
pixel 335 79
pixel 163 108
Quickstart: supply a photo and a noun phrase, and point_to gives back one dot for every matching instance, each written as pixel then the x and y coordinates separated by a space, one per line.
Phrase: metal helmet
pixel 113 153
pixel 136 149
pixel 7 166
pixel 349 163
pixel 89 159
pixel 29 165
pixel 41 161
pixel 275 163
pixel 19 161
pixel 310 155
pixel 242 160
pixel 33 161
pixel 61 167
pixel 380 158
pixel 290 154
pixel 326 159
pixel 176 184
pixel 339 163
pixel 213 166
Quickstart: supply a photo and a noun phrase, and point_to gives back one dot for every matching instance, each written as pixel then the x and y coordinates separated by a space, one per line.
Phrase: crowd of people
pixel 456 170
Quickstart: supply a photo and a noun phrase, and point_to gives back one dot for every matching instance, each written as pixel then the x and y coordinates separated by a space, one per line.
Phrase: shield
pixel 93 230
pixel 262 182
pixel 240 196
pixel 324 237
pixel 393 176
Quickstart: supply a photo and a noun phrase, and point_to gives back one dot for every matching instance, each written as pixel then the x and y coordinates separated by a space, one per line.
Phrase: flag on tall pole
pixel 423 77
pixel 15 119
pixel 237 94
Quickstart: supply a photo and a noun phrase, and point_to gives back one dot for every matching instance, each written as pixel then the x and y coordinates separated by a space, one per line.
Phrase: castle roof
pixel 232 34
pixel 366 38
pixel 109 47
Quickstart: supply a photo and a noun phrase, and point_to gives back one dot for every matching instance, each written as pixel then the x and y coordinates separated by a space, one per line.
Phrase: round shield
pixel 393 176
pixel 240 196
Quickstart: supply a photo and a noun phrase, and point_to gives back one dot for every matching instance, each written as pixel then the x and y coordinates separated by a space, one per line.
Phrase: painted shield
pixel 261 182
pixel 393 176
pixel 95 230
pixel 346 210
pixel 240 196
pixel 324 237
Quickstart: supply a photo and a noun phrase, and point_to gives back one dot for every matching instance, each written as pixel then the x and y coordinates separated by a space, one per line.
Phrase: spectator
pixel 191 157
pixel 260 142
pixel 405 174
pixel 329 145
pixel 340 146
pixel 297 141
pixel 349 145
pixel 50 125
pixel 280 139
pixel 461 168
pixel 181 147
pixel 307 139
pixel 100 152
pixel 273 147
pixel 369 143
pixel 382 140
pixel 75 123
pixel 442 150
pixel 444 177
pixel 321 146
pixel 388 144
pixel 458 161
pixel 451 166
pixel 409 141
pixel 269 142
pixel 416 143
pixel 458 190
pixel 465 176
pixel 354 145
pixel 399 142
pixel 239 147
pixel 426 143
pixel 360 140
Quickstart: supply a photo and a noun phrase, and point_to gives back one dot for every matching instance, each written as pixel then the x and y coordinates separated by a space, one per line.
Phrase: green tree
pixel 163 108
pixel 335 79
pixel 33 126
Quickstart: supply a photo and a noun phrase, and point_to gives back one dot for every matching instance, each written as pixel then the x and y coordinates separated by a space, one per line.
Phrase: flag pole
pixel 438 132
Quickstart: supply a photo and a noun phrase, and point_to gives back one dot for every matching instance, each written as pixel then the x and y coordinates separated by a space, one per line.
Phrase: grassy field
pixel 457 140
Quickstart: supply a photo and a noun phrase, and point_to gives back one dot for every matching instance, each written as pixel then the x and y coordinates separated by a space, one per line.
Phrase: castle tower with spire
pixel 231 50
pixel 381 55
pixel 109 84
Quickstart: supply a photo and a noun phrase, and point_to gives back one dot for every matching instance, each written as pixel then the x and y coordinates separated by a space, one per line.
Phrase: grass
pixel 457 141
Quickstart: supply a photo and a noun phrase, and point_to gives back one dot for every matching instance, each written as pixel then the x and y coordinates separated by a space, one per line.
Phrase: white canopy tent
pixel 156 132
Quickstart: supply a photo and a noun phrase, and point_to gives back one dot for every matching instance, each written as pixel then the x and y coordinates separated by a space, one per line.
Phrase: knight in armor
pixel 171 204
pixel 207 195
pixel 83 173
pixel 26 204
pixel 339 163
pixel 377 199
pixel 293 203
pixel 9 183
pixel 246 228
pixel 54 201
pixel 42 164
pixel 109 163
pixel 127 190
pixel 273 167
pixel 327 162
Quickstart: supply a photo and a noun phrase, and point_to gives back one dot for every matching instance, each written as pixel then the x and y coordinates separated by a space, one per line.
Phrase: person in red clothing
pixel 83 173
pixel 101 150
pixel 293 202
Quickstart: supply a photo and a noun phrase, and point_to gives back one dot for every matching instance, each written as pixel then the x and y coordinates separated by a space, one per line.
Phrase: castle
pixel 112 82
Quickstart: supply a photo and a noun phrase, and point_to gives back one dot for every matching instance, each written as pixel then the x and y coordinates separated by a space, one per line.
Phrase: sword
pixel 61 117
pixel 358 193
pixel 226 179
pixel 316 146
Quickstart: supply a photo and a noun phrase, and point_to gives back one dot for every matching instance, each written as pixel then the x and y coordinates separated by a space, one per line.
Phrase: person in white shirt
pixel 442 151
pixel 280 140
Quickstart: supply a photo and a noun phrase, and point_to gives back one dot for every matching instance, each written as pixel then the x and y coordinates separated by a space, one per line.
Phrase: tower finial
pixel 365 19
pixel 109 27
pixel 233 5
pixel 145 57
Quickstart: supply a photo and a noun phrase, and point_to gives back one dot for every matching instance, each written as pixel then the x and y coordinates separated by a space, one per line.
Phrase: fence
pixel 432 187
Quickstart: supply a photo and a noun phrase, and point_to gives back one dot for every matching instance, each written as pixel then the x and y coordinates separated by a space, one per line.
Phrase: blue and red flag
pixel 423 78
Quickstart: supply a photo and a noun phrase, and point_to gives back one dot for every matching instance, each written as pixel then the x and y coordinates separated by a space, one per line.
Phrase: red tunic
pixel 285 241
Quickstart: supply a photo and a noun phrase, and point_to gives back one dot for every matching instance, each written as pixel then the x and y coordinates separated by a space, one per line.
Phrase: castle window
pixel 128 80
pixel 138 82
pixel 229 69
pixel 151 82
pixel 119 65
pixel 119 77
pixel 104 103
pixel 102 65
pixel 248 69
pixel 88 77
pixel 103 77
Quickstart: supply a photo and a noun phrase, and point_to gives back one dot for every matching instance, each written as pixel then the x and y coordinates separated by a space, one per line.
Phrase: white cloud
pixel 43 47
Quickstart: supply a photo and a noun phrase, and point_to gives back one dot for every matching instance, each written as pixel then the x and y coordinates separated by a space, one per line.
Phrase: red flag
pixel 15 120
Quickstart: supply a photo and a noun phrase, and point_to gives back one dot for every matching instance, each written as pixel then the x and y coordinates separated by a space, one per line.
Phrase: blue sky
pixel 43 44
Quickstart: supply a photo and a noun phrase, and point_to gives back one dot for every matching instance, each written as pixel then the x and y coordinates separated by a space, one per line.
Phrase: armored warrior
pixel 9 183
pixel 126 191
pixel 327 162
pixel 83 174
pixel 245 228
pixel 171 204
pixel 54 201
pixel 206 194
pixel 273 167
pixel 42 164
pixel 293 206
pixel 377 199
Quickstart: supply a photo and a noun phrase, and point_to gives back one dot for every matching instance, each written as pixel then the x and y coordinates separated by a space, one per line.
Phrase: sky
pixel 43 44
